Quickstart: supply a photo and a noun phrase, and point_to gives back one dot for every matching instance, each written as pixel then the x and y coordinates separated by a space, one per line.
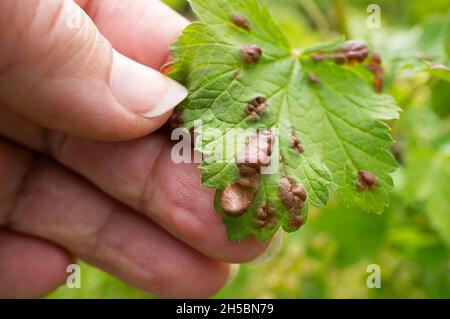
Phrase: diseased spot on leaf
pixel 236 199
pixel 351 53
pixel 266 217
pixel 239 196
pixel 236 74
pixel 240 21
pixel 251 181
pixel 259 223
pixel 322 57
pixel 257 150
pixel 249 175
pixel 297 221
pixel 313 79
pixel 375 66
pixel 340 58
pixel 296 145
pixel 299 191
pixel 355 52
pixel 247 170
pixel 366 181
pixel 293 195
pixel 251 54
pixel 256 108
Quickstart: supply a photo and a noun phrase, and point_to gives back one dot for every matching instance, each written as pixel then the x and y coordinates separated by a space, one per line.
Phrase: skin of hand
pixel 81 175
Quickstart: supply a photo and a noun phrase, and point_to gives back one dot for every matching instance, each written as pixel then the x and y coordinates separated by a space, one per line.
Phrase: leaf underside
pixel 338 119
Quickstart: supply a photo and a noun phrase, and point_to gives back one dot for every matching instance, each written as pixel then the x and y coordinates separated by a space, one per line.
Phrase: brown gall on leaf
pixel 250 181
pixel 296 145
pixel 256 108
pixel 299 192
pixel 236 199
pixel 266 217
pixel 247 170
pixel 257 151
pixel 375 66
pixel 240 21
pixel 339 58
pixel 351 53
pixel 313 79
pixel 293 195
pixel 297 221
pixel 249 175
pixel 355 52
pixel 366 181
pixel 251 54
pixel 239 196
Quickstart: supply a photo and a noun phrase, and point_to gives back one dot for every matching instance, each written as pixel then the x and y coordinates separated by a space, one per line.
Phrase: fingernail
pixel 143 90
pixel 271 252
pixel 234 272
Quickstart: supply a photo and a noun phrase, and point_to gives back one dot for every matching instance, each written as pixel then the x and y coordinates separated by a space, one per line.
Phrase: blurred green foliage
pixel 328 258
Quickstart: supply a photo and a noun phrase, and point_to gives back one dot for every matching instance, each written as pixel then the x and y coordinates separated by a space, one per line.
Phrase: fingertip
pixel 211 282
pixel 174 95
pixel 30 267
pixel 143 90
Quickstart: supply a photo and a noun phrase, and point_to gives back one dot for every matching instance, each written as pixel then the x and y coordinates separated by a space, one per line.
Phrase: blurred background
pixel 328 258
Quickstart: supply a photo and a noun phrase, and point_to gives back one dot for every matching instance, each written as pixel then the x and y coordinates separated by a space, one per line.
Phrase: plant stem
pixel 341 18
pixel 315 13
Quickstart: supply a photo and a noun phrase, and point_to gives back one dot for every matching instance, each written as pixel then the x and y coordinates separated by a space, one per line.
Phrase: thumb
pixel 57 70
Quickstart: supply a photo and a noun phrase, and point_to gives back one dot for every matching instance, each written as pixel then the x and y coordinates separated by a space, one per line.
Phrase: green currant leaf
pixel 426 180
pixel 440 71
pixel 316 110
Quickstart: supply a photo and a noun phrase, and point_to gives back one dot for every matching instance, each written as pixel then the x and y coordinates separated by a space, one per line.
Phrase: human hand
pixel 80 176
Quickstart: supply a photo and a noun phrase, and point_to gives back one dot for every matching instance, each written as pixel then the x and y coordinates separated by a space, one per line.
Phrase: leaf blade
pixel 338 119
